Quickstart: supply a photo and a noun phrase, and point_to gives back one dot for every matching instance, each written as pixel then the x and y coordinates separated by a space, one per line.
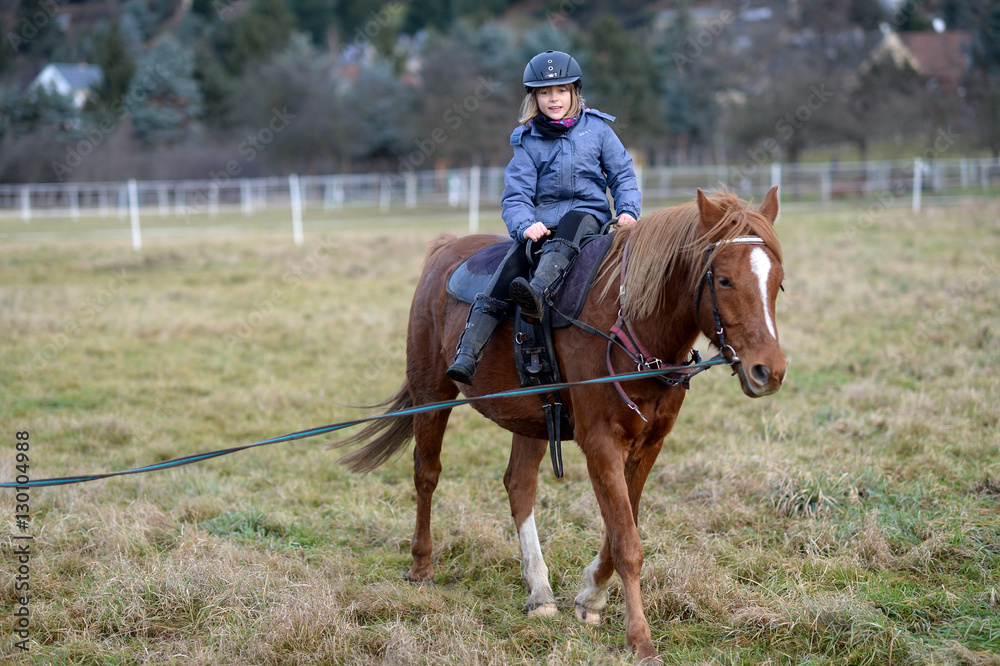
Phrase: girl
pixel 566 157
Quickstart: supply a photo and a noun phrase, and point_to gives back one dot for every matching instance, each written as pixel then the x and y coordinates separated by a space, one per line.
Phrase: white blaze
pixel 761 265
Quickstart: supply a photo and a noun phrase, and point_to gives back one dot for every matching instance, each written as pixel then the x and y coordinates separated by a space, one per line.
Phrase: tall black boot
pixel 484 316
pixel 553 265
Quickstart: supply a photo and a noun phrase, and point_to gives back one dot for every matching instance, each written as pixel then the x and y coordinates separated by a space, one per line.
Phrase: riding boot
pixel 553 265
pixel 484 316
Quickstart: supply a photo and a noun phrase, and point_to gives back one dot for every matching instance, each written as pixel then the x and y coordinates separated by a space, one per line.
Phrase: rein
pixel 621 335
pixel 322 430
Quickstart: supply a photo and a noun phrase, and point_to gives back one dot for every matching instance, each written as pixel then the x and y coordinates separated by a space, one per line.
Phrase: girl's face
pixel 554 101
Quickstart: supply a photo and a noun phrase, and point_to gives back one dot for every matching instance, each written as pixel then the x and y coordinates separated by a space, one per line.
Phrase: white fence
pixel 903 182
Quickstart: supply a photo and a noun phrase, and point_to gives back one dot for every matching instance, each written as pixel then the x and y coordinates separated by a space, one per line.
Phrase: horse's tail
pixel 390 435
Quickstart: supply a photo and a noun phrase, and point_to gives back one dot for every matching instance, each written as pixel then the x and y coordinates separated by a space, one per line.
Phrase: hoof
pixel 542 610
pixel 419 578
pixel 588 616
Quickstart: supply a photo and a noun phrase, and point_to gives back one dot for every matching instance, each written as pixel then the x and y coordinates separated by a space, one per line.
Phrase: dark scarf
pixel 553 129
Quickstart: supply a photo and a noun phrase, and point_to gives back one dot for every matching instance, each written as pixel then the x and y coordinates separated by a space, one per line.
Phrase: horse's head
pixel 736 295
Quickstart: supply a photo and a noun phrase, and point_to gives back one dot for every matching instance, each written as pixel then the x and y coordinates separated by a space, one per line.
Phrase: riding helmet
pixel 552 68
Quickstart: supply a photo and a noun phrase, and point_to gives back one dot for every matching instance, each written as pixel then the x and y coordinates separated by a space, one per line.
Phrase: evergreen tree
pixel 983 79
pixel 314 18
pixel 166 98
pixel 689 82
pixel 428 14
pixel 620 78
pixel 254 36
pixel 35 30
pixel 219 90
pixel 111 54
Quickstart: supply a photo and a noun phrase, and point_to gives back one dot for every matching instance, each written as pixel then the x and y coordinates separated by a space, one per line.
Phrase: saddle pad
pixel 473 276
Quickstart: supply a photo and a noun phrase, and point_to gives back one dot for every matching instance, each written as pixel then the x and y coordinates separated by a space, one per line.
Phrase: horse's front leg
pixel 622 548
pixel 521 481
pixel 592 599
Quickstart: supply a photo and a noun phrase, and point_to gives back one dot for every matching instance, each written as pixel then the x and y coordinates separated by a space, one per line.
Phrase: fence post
pixel 74 203
pixel 384 194
pixel 26 203
pixel 295 194
pixel 776 182
pixel 411 190
pixel 474 200
pixel 918 183
pixel 133 211
pixel 246 198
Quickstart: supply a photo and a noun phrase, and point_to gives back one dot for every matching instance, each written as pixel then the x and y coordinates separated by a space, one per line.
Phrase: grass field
pixel 852 518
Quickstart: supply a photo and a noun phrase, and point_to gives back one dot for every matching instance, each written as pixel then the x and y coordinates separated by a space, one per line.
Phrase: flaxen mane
pixel 669 242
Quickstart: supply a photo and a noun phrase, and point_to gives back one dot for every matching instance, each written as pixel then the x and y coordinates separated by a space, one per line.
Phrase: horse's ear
pixel 769 209
pixel 710 213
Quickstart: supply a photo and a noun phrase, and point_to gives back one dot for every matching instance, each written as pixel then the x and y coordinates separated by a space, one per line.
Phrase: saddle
pixel 473 275
pixel 534 350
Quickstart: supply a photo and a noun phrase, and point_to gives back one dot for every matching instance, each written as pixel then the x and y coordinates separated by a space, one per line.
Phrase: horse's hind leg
pixel 521 481
pixel 428 432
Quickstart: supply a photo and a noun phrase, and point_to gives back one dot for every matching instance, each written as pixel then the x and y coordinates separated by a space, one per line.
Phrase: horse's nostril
pixel 761 373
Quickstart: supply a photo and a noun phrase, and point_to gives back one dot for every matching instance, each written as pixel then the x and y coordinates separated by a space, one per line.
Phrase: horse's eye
pixel 725 282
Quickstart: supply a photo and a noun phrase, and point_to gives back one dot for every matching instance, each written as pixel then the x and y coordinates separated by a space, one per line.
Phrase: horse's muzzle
pixel 761 378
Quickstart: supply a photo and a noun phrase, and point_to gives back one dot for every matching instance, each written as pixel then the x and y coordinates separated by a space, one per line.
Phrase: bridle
pixel 623 336
pixel 709 278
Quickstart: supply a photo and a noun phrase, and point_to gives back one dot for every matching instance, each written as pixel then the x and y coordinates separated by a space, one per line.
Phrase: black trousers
pixel 573 226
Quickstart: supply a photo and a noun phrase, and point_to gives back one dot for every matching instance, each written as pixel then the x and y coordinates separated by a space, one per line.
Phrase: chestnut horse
pixel 710 266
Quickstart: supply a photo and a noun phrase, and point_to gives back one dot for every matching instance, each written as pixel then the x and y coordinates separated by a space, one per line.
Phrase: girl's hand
pixel 625 219
pixel 536 231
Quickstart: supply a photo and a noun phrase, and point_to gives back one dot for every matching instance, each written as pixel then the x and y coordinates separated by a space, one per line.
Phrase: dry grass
pixel 853 518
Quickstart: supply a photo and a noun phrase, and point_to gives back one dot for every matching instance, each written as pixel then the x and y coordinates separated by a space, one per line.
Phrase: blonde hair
pixel 529 107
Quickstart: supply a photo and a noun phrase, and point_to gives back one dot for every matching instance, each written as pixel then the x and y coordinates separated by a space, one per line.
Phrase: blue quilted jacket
pixel 549 177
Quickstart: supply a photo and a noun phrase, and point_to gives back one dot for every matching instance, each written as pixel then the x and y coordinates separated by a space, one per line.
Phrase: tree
pixel 881 104
pixel 428 14
pixel 219 90
pixel 263 30
pixel 313 17
pixel 293 117
pixel 620 78
pixel 165 97
pixel 689 84
pixel 111 54
pixel 35 30
pixel 983 79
